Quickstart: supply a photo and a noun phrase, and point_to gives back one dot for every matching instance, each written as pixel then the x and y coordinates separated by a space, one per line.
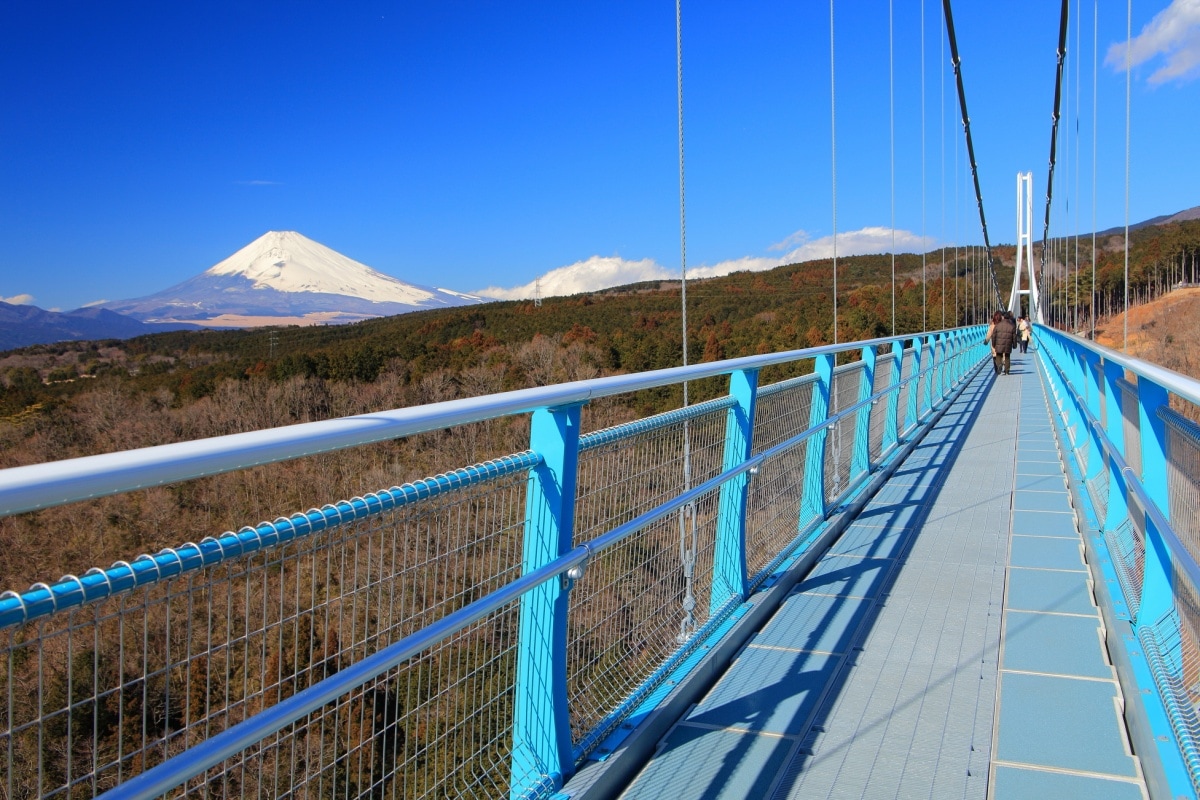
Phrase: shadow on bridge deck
pixel 884 673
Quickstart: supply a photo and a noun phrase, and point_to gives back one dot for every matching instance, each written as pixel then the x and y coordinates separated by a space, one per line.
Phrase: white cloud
pixel 258 183
pixel 18 300
pixel 791 242
pixel 864 241
pixel 1174 33
pixel 603 272
pixel 94 303
pixel 597 272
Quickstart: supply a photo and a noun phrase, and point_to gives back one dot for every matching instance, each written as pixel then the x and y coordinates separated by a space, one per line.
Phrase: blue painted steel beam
pixel 1114 434
pixel 1157 597
pixel 913 412
pixel 541 726
pixel 891 428
pixel 860 458
pixel 812 502
pixel 729 560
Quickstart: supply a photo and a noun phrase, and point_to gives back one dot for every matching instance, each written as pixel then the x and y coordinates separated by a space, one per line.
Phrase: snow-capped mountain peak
pixel 285 278
pixel 287 261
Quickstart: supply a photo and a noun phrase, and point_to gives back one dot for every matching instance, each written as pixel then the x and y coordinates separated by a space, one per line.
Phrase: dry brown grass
pixel 1165 331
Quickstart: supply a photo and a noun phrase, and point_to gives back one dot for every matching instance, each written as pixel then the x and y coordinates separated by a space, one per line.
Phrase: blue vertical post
pixel 927 380
pixel 951 361
pixel 1093 389
pixel 935 364
pixel 937 348
pixel 729 560
pixel 812 501
pixel 541 725
pixel 914 386
pixel 1156 577
pixel 944 372
pixel 860 459
pixel 891 432
pixel 946 341
pixel 1114 429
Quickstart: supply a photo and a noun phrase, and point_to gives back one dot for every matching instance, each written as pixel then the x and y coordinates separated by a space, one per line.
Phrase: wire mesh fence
pixel 642 599
pixel 784 410
pixel 106 690
pixel 437 726
pixel 1131 426
pixel 774 515
pixel 884 368
pixel 1171 649
pixel 907 387
pixel 150 658
pixel 1183 477
pixel 839 445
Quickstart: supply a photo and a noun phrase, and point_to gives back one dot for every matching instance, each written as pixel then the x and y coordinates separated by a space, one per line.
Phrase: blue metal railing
pixel 1137 456
pixel 564 632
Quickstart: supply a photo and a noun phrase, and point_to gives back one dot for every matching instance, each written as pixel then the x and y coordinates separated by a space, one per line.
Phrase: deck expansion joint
pixel 1063 675
pixel 741 731
pixel 1108 776
pixel 1082 569
pixel 805 650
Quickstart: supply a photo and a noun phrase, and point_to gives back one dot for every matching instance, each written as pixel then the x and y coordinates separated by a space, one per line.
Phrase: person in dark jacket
pixel 987 337
pixel 1004 335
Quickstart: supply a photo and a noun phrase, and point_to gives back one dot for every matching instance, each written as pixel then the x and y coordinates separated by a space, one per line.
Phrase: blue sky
pixel 484 144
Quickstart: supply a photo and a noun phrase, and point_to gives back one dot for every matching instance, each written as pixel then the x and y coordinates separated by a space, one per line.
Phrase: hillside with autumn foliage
pixel 80 398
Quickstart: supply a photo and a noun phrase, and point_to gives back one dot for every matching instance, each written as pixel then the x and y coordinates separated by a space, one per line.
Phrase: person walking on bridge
pixel 1024 333
pixel 1003 336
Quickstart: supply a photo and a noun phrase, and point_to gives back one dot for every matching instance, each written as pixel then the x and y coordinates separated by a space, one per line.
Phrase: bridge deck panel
pixel 1059 727
pixel 884 673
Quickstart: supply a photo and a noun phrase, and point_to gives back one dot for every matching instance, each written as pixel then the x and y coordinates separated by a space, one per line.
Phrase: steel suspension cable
pixel 1128 68
pixel 833 167
pixel 1095 137
pixel 956 232
pixel 962 102
pixel 892 147
pixel 1079 84
pixel 942 163
pixel 924 244
pixel 682 184
pixel 1062 52
pixel 687 514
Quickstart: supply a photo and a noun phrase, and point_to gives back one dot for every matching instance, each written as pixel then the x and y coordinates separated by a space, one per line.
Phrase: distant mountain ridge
pixel 21 326
pixel 1165 219
pixel 283 277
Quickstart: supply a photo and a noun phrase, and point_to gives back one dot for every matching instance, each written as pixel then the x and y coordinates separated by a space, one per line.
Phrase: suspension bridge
pixel 898 574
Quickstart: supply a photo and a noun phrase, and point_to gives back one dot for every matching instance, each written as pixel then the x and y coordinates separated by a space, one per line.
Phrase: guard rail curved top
pixel 55 483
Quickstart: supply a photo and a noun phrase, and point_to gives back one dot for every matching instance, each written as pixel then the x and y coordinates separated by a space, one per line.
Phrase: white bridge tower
pixel 1024 262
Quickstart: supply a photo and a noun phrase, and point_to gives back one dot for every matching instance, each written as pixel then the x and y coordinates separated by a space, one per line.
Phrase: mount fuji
pixel 285 278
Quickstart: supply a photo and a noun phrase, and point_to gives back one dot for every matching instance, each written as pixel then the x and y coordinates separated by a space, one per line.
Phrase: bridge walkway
pixel 946 646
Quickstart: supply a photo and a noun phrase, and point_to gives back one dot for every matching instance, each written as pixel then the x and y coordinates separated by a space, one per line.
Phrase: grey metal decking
pixel 885 672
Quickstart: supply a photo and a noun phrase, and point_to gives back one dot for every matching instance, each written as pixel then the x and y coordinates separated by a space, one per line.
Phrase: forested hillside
pixel 79 398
